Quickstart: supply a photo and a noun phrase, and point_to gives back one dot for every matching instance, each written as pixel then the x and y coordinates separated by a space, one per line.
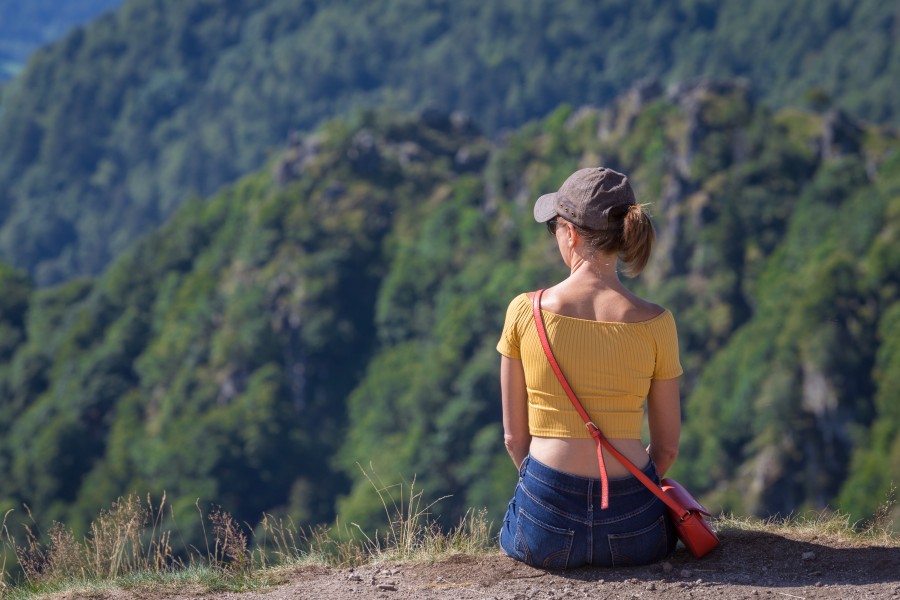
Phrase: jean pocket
pixel 540 544
pixel 640 547
pixel 523 466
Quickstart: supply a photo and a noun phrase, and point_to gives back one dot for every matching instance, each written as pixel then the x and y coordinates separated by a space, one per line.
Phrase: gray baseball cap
pixel 586 198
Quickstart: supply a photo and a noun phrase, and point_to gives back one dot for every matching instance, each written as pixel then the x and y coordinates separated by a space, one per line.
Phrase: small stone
pixel 685 573
pixel 387 587
pixel 819 584
pixel 754 593
pixel 808 556
pixel 667 567
pixel 354 577
pixel 651 587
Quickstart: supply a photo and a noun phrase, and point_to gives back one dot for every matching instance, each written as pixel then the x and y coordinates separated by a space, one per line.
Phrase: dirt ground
pixel 749 564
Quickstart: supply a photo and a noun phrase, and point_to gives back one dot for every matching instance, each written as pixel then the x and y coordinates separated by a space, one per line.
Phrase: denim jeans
pixel 555 521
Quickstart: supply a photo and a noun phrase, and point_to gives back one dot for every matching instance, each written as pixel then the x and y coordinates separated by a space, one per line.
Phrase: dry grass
pixel 230 549
pixel 827 524
pixel 412 535
pixel 128 547
pixel 124 539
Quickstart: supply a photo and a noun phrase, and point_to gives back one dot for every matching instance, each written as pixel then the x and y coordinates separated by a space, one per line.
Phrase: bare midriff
pixel 578 456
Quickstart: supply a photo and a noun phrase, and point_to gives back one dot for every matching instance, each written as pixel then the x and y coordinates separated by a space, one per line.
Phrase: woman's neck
pixel 597 272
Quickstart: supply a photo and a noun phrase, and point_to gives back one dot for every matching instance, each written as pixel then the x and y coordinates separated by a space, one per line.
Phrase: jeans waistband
pixel 566 482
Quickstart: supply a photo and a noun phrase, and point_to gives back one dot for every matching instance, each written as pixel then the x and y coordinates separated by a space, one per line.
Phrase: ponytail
pixel 631 236
pixel 638 236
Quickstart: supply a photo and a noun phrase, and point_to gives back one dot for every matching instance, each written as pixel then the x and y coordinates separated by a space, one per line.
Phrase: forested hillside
pixel 27 25
pixel 110 129
pixel 341 307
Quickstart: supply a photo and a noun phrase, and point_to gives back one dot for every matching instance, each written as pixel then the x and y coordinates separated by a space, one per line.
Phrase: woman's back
pixel 594 310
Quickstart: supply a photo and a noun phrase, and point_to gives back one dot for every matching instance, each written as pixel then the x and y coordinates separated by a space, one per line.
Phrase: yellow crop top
pixel 609 366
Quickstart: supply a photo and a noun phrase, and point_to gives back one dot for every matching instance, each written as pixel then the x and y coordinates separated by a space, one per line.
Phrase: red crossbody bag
pixel 687 513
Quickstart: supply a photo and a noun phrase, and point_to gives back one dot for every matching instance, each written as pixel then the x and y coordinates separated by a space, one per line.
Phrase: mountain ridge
pixel 110 129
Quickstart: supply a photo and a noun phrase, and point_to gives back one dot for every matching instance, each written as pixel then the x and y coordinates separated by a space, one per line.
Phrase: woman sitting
pixel 617 351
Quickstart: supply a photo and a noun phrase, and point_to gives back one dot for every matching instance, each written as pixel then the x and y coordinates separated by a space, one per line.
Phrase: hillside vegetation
pixel 109 130
pixel 341 307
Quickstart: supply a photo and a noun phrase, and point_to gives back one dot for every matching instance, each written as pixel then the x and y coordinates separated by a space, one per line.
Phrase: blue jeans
pixel 555 521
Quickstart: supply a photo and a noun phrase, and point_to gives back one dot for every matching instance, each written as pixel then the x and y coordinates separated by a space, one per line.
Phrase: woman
pixel 616 350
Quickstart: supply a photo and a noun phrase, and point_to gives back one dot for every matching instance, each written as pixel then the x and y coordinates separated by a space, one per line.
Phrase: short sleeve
pixel 509 342
pixel 668 363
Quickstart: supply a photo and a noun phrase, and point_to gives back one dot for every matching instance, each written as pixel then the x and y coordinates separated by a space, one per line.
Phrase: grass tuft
pixel 882 523
pixel 412 535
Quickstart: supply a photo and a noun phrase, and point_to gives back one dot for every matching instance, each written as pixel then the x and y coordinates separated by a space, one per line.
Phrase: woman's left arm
pixel 664 419
pixel 515 409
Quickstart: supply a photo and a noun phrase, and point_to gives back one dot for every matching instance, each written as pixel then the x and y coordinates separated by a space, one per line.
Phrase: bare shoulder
pixel 611 305
pixel 643 310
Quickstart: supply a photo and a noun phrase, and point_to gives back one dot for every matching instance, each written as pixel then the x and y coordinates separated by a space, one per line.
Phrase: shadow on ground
pixel 762 558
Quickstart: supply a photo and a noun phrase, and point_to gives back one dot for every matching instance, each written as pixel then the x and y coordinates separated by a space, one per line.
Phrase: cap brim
pixel 545 208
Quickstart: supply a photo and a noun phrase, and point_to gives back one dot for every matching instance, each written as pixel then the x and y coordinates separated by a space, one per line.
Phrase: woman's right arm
pixel 516 436
pixel 664 418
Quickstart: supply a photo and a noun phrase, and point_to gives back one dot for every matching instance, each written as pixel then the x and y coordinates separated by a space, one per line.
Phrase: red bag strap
pixel 598 436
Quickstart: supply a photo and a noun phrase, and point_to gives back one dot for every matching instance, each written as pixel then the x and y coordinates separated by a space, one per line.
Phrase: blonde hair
pixel 630 235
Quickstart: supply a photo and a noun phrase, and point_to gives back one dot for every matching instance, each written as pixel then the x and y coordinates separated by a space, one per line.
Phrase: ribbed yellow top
pixel 609 366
